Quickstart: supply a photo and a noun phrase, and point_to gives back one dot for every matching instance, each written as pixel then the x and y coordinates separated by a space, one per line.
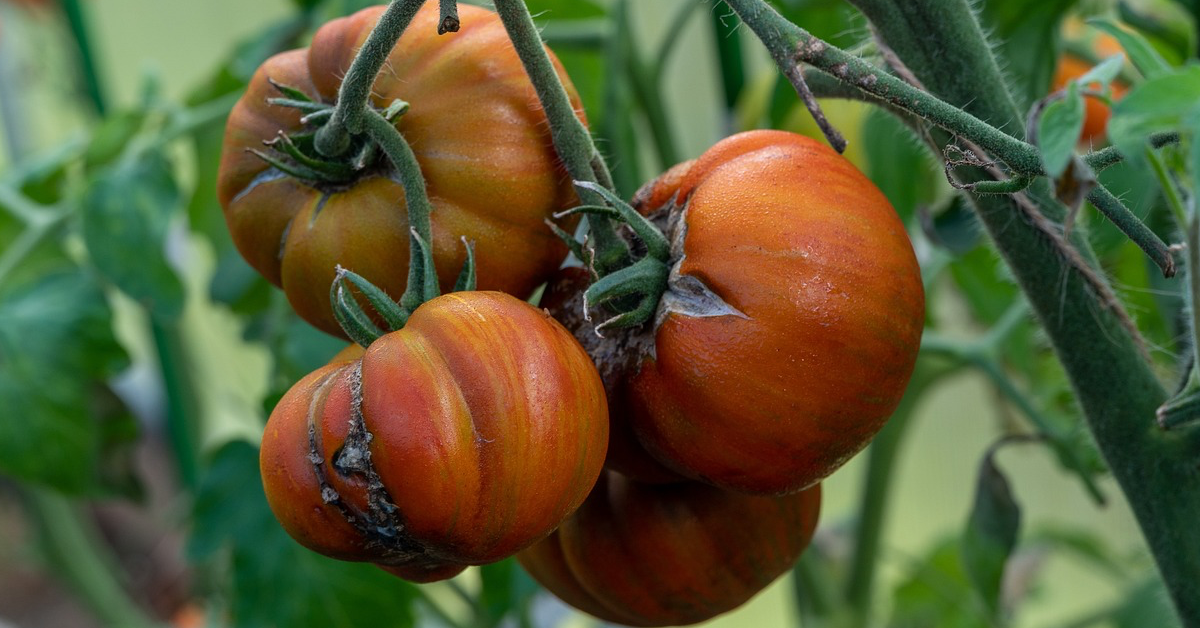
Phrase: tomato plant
pixel 672 554
pixel 476 130
pixel 456 441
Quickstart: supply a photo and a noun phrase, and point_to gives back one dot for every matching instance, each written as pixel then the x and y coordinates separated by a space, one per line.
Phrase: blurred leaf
pixel 1082 544
pixel 62 427
pixel 126 214
pixel 955 228
pixel 1026 32
pixel 1147 604
pixel 991 533
pixel 507 589
pixel 276 582
pixel 111 136
pixel 937 593
pixel 1058 130
pixel 1163 103
pixel 1166 23
pixel 834 21
pixel 902 168
pixel 1103 72
pixel 983 279
pixel 1143 56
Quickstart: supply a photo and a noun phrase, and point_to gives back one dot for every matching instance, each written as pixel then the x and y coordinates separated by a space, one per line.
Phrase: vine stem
pixel 350 112
pixel 1189 223
pixel 75 551
pixel 789 44
pixel 77 22
pixel 571 138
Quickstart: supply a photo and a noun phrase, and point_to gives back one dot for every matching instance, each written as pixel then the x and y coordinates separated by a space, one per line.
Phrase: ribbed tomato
pixel 792 322
pixel 666 555
pixel 479 135
pixel 458 440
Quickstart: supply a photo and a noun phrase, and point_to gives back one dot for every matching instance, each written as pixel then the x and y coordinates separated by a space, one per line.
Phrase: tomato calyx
pixel 360 326
pixel 296 155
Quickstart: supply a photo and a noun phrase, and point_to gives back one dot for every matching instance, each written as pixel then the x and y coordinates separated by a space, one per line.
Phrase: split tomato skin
pixel 487 428
pixel 675 554
pixel 828 313
pixel 477 130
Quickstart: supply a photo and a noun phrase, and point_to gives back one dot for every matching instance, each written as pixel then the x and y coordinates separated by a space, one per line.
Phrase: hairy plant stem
pixel 73 548
pixel 416 199
pixel 1104 360
pixel 1134 229
pixel 350 112
pixel 571 139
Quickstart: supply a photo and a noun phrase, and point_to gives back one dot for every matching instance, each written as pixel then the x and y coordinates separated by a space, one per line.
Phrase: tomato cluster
pixel 786 332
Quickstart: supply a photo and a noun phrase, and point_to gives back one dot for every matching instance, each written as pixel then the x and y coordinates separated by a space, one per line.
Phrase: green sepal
pixel 299 105
pixel 349 313
pixel 293 170
pixel 467 278
pixel 396 109
pixel 598 210
pixel 384 305
pixel 657 245
pixel 1184 408
pixel 646 279
pixel 573 245
pixel 317 116
pixel 333 170
pixel 290 92
pixel 422 274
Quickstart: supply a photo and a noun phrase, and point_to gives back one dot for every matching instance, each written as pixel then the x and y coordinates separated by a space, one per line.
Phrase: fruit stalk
pixel 350 113
pixel 571 139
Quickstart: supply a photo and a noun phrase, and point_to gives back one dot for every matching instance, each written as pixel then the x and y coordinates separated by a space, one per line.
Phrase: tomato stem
pixel 350 115
pixel 1134 229
pixel 85 54
pixel 417 200
pixel 571 138
pixel 789 45
pixel 448 21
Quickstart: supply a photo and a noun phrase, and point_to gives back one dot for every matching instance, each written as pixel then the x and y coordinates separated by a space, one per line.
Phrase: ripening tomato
pixel 668 555
pixel 479 135
pixel 792 321
pixel 459 440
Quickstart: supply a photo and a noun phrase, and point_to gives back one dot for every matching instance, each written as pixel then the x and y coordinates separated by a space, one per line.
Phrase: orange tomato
pixel 459 440
pixel 479 135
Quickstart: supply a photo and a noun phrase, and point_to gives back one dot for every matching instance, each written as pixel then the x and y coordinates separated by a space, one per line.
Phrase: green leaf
pixel 275 581
pixel 126 214
pixel 1058 130
pixel 111 136
pixel 991 533
pixel 1103 72
pixel 1168 26
pixel 1164 103
pixel 63 428
pixel 1146 604
pixel 1144 57
pixel 937 593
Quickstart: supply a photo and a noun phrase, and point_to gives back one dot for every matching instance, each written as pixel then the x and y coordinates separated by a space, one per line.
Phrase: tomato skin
pixel 488 427
pixel 661 555
pixel 810 252
pixel 478 133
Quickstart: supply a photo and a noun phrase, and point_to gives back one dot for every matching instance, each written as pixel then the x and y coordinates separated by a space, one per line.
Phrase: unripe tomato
pixel 460 439
pixel 477 130
pixel 668 555
pixel 792 323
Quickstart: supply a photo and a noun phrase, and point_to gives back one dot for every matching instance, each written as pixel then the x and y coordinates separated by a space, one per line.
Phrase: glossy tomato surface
pixel 810 328
pixel 477 130
pixel 458 440
pixel 666 555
